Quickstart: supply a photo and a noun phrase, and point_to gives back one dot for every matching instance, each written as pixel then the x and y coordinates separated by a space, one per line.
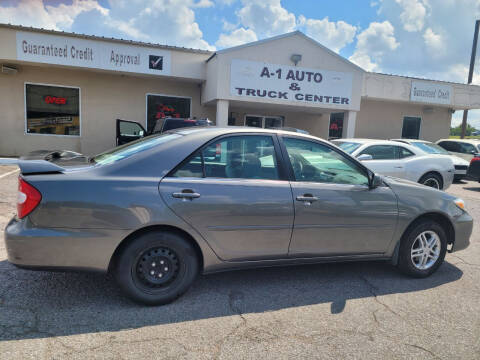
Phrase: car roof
pixel 408 141
pixel 470 141
pixel 370 141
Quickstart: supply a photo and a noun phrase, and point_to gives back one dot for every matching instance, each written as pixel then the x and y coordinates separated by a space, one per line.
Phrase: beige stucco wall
pixel 104 98
pixel 384 120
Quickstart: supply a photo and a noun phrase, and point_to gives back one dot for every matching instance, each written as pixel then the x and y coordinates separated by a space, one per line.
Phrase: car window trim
pixel 368 173
pixel 281 170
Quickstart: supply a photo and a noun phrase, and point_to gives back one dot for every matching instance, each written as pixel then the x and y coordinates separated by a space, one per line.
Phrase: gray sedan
pixel 158 211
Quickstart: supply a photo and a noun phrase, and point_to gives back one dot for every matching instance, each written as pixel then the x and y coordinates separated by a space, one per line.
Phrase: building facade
pixel 65 91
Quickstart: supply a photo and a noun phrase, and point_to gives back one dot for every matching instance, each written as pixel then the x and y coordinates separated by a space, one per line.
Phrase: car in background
pixel 128 130
pixel 157 212
pixel 461 165
pixel 473 172
pixel 404 161
pixel 476 133
pixel 464 148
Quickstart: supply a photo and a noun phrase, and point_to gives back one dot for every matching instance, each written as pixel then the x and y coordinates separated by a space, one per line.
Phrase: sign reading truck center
pixel 290 83
pixel 65 50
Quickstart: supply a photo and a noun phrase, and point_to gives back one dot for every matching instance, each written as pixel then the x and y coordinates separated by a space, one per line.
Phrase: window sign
pixel 52 110
pixel 160 107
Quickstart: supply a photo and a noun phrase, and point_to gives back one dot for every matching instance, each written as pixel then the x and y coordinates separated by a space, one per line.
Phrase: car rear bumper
pixel 463 230
pixel 86 249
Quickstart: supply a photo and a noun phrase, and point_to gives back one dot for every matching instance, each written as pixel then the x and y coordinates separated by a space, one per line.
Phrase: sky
pixel 423 38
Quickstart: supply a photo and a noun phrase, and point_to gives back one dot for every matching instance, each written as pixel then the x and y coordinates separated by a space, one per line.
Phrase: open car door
pixel 128 131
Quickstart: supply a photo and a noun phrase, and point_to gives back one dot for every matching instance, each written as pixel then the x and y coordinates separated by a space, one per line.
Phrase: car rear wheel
pixel 432 180
pixel 156 268
pixel 422 249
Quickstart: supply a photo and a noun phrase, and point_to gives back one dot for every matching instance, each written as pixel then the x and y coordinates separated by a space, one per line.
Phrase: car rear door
pixel 235 193
pixel 336 213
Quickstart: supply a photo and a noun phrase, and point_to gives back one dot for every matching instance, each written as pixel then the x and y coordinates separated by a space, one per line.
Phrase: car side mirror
pixel 364 157
pixel 375 181
pixel 141 133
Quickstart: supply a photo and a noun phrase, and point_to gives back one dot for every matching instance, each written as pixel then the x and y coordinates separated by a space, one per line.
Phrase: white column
pixel 349 124
pixel 222 113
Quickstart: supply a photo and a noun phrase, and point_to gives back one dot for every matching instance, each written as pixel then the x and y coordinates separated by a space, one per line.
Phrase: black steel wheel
pixel 156 268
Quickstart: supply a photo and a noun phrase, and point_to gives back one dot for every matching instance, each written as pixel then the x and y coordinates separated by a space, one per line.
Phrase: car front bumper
pixel 50 248
pixel 463 225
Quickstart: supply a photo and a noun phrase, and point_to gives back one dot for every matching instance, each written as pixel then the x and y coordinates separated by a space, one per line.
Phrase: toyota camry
pixel 158 211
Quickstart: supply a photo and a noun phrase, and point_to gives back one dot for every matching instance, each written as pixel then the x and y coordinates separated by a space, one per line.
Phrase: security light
pixel 296 58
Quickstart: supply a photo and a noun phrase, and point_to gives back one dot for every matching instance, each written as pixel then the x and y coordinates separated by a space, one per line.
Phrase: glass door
pixel 335 129
pixel 264 121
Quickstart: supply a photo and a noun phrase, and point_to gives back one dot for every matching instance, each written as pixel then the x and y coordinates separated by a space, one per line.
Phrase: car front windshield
pixel 347 146
pixel 134 147
pixel 430 148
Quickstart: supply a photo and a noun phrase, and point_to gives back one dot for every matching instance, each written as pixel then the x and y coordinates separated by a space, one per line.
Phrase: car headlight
pixel 460 203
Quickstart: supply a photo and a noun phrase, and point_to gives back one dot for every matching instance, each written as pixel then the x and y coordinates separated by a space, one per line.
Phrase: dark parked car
pixel 473 172
pixel 131 130
pixel 158 211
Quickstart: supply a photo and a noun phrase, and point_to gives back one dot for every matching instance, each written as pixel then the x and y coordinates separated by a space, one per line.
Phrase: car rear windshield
pixel 347 146
pixel 134 147
pixel 430 148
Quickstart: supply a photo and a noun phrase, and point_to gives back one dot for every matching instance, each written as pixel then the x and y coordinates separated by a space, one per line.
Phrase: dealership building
pixel 65 91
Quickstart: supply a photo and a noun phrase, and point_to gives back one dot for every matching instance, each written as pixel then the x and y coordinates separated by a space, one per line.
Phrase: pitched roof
pixel 103 38
pixel 290 34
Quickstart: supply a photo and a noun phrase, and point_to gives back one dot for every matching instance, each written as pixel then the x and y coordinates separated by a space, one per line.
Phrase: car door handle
pixel 186 195
pixel 307 198
pixel 398 167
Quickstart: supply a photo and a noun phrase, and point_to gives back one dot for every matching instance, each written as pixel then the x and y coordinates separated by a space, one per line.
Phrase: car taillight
pixel 475 158
pixel 27 198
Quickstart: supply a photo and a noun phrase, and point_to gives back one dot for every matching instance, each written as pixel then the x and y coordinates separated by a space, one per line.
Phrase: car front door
pixel 384 160
pixel 234 192
pixel 128 131
pixel 336 213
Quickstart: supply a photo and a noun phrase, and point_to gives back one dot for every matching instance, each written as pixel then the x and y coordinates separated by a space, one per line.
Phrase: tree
pixel 457 131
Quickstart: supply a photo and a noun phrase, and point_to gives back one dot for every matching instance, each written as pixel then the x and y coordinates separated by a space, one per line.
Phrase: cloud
pixel 413 14
pixel 334 35
pixel 35 13
pixel 169 22
pixel 266 17
pixel 372 44
pixel 236 37
pixel 434 42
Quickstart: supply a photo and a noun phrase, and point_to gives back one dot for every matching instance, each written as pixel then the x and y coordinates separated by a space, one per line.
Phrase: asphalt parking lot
pixel 330 311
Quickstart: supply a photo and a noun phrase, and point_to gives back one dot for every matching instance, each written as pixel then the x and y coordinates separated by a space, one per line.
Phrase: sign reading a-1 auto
pixel 290 83
pixel 70 51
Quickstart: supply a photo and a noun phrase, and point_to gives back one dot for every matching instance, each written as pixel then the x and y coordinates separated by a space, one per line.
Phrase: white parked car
pixel 461 165
pixel 395 159
pixel 464 148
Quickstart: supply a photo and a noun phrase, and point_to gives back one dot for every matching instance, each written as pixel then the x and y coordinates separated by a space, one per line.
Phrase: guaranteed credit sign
pixel 70 51
pixel 429 92
pixel 290 83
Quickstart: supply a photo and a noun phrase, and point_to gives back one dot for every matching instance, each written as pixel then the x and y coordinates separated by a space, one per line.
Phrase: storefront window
pixel 266 122
pixel 160 107
pixel 52 110
pixel 411 127
pixel 335 129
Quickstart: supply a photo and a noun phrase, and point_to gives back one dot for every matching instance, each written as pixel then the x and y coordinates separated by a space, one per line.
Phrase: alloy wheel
pixel 425 250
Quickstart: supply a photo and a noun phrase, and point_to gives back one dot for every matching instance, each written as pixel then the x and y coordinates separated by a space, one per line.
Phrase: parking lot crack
pixel 435 356
pixel 374 291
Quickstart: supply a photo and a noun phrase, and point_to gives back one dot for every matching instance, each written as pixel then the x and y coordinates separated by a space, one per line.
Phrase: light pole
pixel 470 74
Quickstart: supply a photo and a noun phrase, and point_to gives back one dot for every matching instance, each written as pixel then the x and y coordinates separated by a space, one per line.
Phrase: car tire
pixel 432 180
pixel 156 268
pixel 411 254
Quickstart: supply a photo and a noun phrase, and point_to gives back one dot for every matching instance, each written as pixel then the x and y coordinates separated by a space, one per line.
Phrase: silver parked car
pixel 460 165
pixel 158 211
pixel 401 160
